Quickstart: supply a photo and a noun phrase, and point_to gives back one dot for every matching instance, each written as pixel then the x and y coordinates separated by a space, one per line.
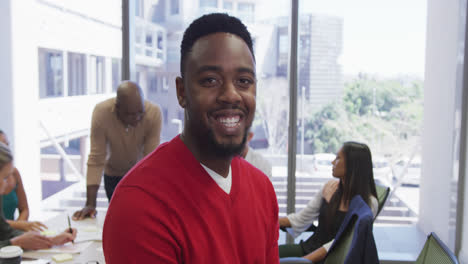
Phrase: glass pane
pixel 76 74
pixel 157 55
pixel 268 23
pixel 50 73
pixel 361 79
pixel 78 48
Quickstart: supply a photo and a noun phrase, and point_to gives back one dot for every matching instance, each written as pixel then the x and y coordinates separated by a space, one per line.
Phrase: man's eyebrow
pixel 219 69
pixel 209 68
pixel 247 70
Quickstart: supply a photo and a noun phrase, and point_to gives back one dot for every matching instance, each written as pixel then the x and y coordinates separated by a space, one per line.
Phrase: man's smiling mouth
pixel 229 121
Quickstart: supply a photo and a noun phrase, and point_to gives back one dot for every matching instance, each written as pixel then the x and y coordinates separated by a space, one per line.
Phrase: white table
pixel 88 229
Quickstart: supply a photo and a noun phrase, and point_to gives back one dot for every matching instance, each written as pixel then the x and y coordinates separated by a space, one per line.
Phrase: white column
pixel 25 89
pixel 439 113
pixel 6 100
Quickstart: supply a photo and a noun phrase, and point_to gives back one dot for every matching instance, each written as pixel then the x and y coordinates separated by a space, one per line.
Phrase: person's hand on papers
pixel 30 225
pixel 87 211
pixel 64 237
pixel 32 240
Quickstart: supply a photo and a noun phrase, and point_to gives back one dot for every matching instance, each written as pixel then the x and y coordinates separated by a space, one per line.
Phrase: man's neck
pixel 218 164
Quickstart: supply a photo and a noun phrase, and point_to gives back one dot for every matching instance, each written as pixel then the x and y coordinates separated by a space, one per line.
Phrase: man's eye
pixel 208 81
pixel 245 82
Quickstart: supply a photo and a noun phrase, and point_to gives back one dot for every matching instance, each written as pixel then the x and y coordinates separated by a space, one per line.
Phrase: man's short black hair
pixel 209 24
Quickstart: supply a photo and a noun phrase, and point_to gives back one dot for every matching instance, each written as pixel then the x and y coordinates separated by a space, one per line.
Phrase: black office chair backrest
pixel 436 252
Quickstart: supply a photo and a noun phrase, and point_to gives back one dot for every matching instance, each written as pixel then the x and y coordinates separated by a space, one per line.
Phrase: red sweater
pixel 168 209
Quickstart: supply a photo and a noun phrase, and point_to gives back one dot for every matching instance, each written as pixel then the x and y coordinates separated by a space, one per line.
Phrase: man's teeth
pixel 229 121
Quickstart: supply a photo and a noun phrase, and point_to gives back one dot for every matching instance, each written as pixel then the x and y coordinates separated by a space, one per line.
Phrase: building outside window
pixel 139 8
pixel 175 7
pixel 227 5
pixel 50 73
pixel 76 74
pixel 116 73
pixel 97 78
pixel 246 12
pixel 152 83
pixel 208 3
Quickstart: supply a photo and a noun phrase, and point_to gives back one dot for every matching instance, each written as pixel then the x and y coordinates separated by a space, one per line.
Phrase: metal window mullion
pixel 292 131
pixel 128 40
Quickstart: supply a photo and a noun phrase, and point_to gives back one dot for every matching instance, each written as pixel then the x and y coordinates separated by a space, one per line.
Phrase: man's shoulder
pixel 104 109
pixel 152 164
pixel 151 107
pixel 109 103
pixel 158 170
pixel 162 159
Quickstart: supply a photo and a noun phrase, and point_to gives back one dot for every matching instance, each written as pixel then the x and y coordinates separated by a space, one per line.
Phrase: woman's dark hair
pixel 5 155
pixel 358 179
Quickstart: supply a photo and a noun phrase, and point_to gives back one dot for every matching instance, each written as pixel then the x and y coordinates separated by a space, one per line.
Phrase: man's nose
pixel 229 94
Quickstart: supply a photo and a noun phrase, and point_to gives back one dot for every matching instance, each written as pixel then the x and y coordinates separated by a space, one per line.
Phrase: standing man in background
pixel 194 200
pixel 124 129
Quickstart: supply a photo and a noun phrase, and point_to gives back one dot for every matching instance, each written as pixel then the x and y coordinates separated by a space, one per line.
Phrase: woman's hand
pixel 32 240
pixel 64 237
pixel 27 225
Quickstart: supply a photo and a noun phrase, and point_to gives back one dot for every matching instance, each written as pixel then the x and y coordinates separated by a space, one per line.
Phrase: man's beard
pixel 225 150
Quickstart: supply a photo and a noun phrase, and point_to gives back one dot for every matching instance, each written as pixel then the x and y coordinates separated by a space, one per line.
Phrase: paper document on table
pixel 67 248
pixel 88 233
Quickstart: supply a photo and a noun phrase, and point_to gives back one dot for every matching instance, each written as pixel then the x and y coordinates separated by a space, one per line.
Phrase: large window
pixel 361 79
pixel 157 56
pixel 50 73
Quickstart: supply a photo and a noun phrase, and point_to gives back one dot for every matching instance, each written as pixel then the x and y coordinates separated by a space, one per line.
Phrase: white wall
pixel 25 97
pixel 6 98
pixel 70 31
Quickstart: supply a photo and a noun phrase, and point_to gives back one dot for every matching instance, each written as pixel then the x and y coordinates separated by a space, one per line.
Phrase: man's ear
pixel 181 92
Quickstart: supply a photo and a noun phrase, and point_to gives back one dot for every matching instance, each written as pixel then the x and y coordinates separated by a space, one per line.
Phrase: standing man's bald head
pixel 130 104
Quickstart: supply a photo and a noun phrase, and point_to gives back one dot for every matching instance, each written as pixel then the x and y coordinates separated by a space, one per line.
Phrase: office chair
pixel 436 252
pixel 382 195
pixel 350 245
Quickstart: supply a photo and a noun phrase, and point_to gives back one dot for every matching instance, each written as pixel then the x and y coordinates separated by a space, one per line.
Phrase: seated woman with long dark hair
pixel 352 169
pixel 12 236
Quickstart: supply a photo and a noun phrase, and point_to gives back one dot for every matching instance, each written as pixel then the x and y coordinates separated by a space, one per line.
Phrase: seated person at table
pixel 11 236
pixel 353 169
pixel 15 197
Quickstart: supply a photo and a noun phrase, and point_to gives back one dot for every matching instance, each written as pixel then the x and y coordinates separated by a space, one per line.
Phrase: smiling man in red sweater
pixel 193 200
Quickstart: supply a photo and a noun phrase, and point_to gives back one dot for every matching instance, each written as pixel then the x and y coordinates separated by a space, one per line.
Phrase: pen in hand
pixel 69 228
